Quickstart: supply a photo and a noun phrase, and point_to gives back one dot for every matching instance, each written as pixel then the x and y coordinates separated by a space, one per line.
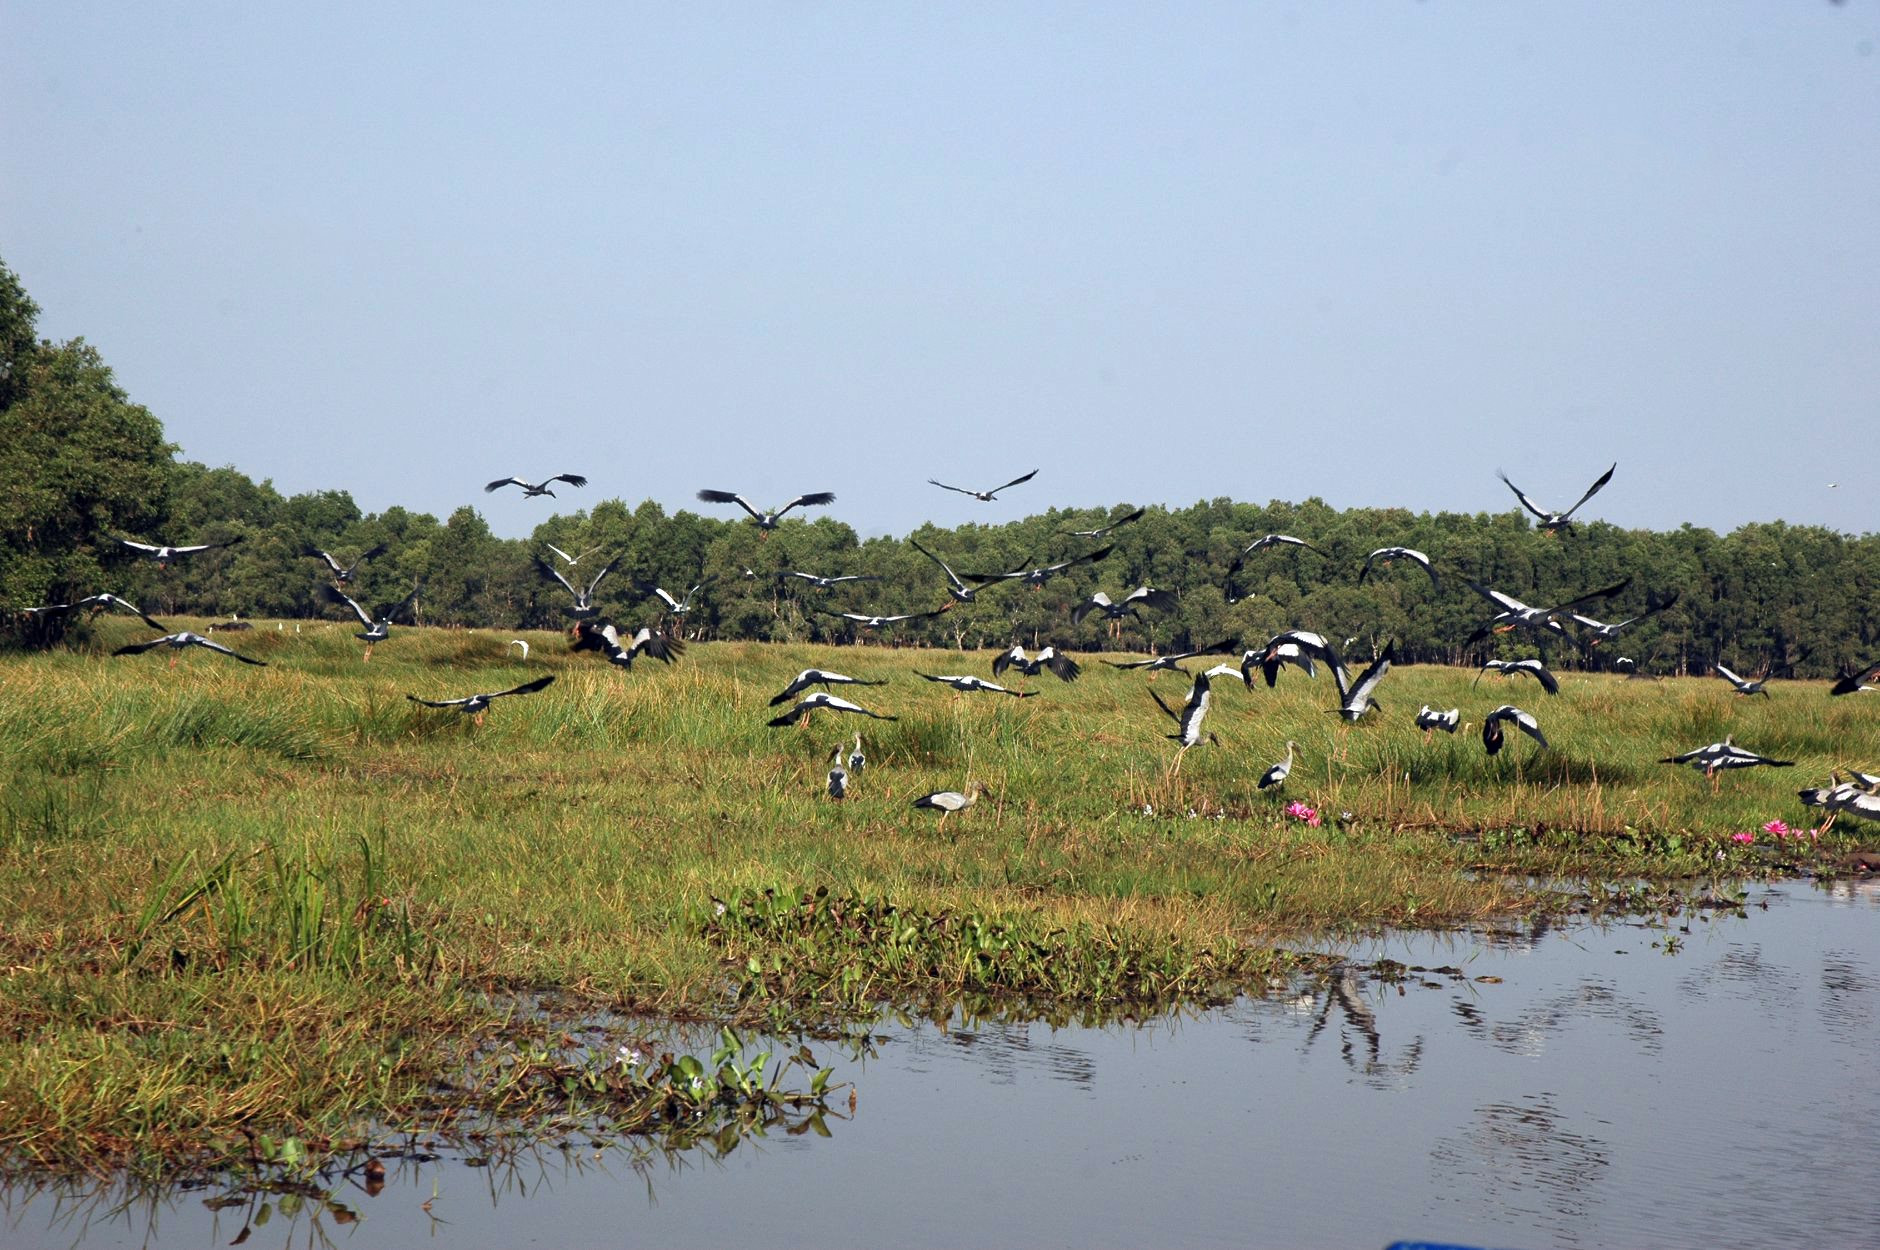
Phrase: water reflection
pixel 1571 1085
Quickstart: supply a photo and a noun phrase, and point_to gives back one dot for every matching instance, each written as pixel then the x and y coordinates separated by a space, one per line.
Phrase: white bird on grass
pixel 838 777
pixel 947 802
pixel 524 644
pixel 1277 774
pixel 1188 721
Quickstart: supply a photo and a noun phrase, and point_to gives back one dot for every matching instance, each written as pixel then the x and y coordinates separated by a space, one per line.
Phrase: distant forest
pixel 85 464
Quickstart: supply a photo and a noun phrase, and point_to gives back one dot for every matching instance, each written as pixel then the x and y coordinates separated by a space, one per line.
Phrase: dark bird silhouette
pixel 1102 531
pixel 603 637
pixel 1062 666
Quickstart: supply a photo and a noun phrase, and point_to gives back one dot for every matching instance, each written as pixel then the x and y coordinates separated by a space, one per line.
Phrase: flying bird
pixel 821 700
pixel 1849 680
pixel 177 641
pixel 1061 665
pixel 966 683
pixel 524 644
pixel 379 623
pixel 1194 711
pixel 674 607
pixel 1036 577
pixel 165 555
pixel 1722 756
pixel 1537 669
pixel 1298 647
pixel 1596 632
pixel 961 592
pixel 1276 540
pixel 603 637
pixel 817 677
pixel 98 603
pixel 1429 720
pixel 583 599
pixel 866 621
pixel 1857 796
pixel 1103 531
pixel 476 704
pixel 1359 697
pixel 1141 597
pixel 767 521
pixel 1172 660
pixel 1515 614
pixel 1277 774
pixel 1492 732
pixel 830 583
pixel 342 573
pixel 983 496
pixel 1389 555
pixel 531 489
pixel 1744 685
pixel 1558 520
pixel 567 559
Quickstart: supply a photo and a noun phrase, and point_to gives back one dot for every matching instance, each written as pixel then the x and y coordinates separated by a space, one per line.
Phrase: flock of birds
pixel 812 690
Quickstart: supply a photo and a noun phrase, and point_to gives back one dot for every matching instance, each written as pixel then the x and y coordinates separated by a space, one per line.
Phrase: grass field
pixel 288 900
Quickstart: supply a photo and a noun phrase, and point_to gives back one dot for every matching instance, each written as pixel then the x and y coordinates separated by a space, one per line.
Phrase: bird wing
pixel 1529 726
pixel 440 702
pixel 725 496
pixel 1149 596
pixel 943 486
pixel 1732 678
pixel 1549 682
pixel 811 500
pixel 605 570
pixel 527 687
pixel 197 640
pixel 1168 711
pixel 1507 603
pixel 318 554
pixel 573 479
pixel 1591 595
pixel 1088 558
pixel 136 546
pixel 1014 482
pixel 1368 679
pixel 401 611
pixel 128 606
pixel 1527 503
pixel 370 553
pixel 1591 490
pixel 339 596
pixel 496 485
pixel 953 578
pixel 138 648
pixel 548 570
pixel 558 551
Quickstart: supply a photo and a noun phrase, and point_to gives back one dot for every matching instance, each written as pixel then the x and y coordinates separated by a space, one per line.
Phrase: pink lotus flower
pixel 1299 811
pixel 1778 828
pixel 1745 836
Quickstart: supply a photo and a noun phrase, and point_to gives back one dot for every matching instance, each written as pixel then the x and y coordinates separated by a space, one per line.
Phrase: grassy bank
pixel 289 900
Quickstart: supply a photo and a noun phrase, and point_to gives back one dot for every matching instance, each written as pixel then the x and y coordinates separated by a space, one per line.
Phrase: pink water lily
pixel 1299 811
pixel 1745 836
pixel 1776 827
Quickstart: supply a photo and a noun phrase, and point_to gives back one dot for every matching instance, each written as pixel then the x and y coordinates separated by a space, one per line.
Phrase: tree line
pixel 85 465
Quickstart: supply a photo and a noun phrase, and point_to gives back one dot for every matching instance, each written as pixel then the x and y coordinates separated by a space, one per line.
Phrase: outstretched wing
pixel 318 554
pixel 1527 503
pixel 1592 490
pixel 438 702
pixel 573 479
pixel 527 687
pixel 943 486
pixel 138 648
pixel 1014 482
pixel 812 500
pixel 725 496
pixel 548 570
pixel 496 485
pixel 339 596
pixel 605 570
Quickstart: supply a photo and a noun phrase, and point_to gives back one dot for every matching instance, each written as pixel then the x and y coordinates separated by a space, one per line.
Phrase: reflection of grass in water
pixel 572 840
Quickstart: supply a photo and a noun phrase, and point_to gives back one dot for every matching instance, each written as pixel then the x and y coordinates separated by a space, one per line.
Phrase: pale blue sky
pixel 1371 252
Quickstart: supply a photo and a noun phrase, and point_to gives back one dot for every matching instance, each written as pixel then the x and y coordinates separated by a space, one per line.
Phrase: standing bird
pixel 342 573
pixel 961 592
pixel 1552 521
pixel 966 684
pixel 378 624
pixel 1491 727
pixel 603 637
pixel 1036 577
pixel 177 641
pixel 1277 774
pixel 857 761
pixel 476 704
pixel 165 556
pixel 1102 531
pixel 531 489
pixel 1194 711
pixel 1387 555
pixel 838 777
pixel 583 608
pixel 98 603
pixel 1537 669
pixel 767 521
pixel 946 802
pixel 818 677
pixel 1429 720
pixel 822 699
pixel 983 496
pixel 1359 697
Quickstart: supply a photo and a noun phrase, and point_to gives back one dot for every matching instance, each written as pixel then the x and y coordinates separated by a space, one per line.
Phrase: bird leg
pixel 368 651
pixel 478 718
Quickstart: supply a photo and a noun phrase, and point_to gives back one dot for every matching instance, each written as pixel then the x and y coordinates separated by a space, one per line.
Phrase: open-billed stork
pixel 181 639
pixel 768 521
pixel 1537 669
pixel 166 555
pixel 379 622
pixel 475 705
pixel 983 496
pixel 531 490
pixel 822 700
pixel 1553 521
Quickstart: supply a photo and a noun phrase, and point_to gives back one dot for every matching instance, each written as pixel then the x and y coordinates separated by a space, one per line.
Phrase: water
pixel 1603 1093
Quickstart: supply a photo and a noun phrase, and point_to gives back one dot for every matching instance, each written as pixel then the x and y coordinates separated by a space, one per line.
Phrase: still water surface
pixel 1603 1092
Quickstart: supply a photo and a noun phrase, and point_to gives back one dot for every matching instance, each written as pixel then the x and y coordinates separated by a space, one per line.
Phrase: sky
pixel 1372 252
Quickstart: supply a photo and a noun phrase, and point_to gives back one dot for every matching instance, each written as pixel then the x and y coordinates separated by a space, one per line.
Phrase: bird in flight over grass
pixel 1492 732
pixel 531 489
pixel 1172 660
pixel 983 496
pixel 1387 555
pixel 1534 668
pixel 1722 756
pixel 1298 647
pixel 378 623
pixel 1062 666
pixel 165 555
pixel 817 677
pixel 1553 521
pixel 865 621
pixel 1430 720
pixel 1142 596
pixel 822 700
pixel 177 641
pixel 1036 577
pixel 961 592
pixel 967 684
pixel 342 573
pixel 98 603
pixel 603 637
pixel 1194 710
pixel 1515 614
pixel 1595 632
pixel 1359 697
pixel 1745 685
pixel 829 583
pixel 767 521
pixel 476 704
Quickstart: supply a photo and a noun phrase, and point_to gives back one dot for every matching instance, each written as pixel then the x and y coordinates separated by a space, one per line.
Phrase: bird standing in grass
pixel 476 705
pixel 1188 721
pixel 857 761
pixel 838 777
pixel 1277 774
pixel 946 802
